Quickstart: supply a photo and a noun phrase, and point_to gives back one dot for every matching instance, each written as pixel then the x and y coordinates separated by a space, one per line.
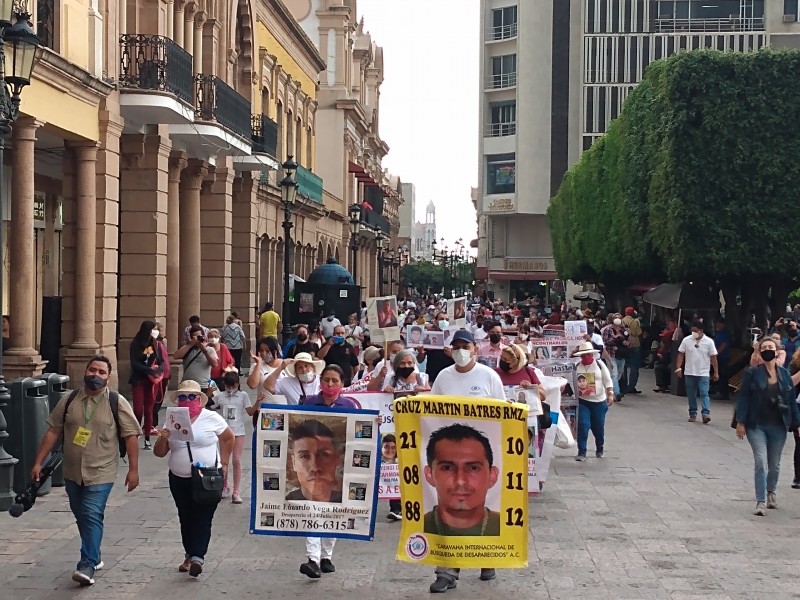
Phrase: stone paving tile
pixel 666 515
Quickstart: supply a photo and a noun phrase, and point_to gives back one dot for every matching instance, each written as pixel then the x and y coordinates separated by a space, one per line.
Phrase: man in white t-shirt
pixel 328 324
pixel 699 354
pixel 465 378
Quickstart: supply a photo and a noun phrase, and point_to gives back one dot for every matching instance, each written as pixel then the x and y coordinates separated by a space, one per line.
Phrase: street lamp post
pixel 355 227
pixel 18 55
pixel 380 243
pixel 289 192
pixel 390 260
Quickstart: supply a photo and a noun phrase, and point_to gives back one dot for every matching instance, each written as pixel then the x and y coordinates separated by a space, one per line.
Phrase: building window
pixel 504 23
pixel 501 174
pixel 503 117
pixel 791 8
pixel 702 15
pixel 504 71
pixel 45 23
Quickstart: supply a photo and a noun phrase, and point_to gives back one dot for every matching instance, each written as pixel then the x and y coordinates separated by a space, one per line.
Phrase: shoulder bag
pixel 207 482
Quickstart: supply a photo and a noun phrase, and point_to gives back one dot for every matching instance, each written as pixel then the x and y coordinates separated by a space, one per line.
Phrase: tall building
pixel 553 76
pixel 348 114
pixel 408 211
pixel 425 235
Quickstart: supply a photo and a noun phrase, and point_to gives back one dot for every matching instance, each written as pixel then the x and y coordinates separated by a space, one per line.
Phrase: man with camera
pixel 198 358
pixel 92 430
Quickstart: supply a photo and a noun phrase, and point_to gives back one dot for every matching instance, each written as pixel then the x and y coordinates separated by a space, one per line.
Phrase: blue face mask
pixel 338 339
pixel 443 324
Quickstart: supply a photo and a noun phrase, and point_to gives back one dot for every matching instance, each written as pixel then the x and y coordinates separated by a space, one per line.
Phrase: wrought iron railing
pixel 375 220
pixel 265 135
pixel 216 101
pixel 155 62
pixel 45 22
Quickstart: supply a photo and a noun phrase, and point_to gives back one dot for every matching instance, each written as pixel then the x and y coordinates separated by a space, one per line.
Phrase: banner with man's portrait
pixel 464 479
pixel 457 311
pixel 315 472
pixel 383 318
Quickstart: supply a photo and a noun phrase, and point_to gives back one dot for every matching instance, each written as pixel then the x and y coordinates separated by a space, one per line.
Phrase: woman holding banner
pixel 406 378
pixel 595 394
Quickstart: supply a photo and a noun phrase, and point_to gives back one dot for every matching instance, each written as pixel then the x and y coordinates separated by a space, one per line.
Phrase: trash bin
pixel 57 384
pixel 26 416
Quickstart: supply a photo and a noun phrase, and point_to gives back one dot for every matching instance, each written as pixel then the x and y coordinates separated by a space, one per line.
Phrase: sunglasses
pixel 189 397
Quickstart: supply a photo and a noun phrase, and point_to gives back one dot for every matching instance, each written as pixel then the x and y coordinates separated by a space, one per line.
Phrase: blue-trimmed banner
pixel 315 472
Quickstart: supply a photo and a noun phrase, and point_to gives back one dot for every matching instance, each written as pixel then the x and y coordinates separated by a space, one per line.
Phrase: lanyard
pixel 87 417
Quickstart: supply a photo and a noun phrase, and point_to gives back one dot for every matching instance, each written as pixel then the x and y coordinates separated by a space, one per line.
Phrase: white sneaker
pixel 760 510
pixel 100 565
pixel 772 500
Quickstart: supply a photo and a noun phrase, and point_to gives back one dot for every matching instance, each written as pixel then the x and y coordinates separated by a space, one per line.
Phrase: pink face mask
pixel 331 390
pixel 587 359
pixel 194 406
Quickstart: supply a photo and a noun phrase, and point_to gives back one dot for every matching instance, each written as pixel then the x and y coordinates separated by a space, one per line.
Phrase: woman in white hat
pixel 595 393
pixel 212 445
pixel 302 378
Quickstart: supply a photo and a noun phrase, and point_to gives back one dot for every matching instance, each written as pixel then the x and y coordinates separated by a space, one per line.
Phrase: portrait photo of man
pixel 459 309
pixel 387 313
pixel 415 335
pixel 460 467
pixel 316 461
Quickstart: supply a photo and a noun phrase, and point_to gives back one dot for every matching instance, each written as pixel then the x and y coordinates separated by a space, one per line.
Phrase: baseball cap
pixel 462 335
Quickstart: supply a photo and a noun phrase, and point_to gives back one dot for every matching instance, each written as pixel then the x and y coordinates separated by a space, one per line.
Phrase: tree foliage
pixel 698 179
pixel 426 276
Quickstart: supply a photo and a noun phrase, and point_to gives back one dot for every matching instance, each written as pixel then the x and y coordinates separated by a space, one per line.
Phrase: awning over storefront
pixel 523 276
pixel 362 175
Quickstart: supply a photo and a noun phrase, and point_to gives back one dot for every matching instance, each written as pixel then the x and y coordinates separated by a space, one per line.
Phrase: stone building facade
pixel 143 176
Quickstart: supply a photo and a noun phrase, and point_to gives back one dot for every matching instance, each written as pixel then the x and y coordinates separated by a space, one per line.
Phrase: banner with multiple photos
pixel 463 466
pixel 315 472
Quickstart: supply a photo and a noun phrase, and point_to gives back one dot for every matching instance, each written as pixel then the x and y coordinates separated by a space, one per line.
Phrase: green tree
pixel 697 180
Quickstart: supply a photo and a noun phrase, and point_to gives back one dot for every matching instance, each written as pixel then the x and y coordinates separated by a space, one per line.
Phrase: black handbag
pixel 207 482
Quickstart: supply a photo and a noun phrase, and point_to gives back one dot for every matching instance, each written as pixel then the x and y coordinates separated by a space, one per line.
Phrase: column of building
pixel 177 163
pixel 190 264
pixel 143 234
pixel 215 205
pixel 244 213
pixel 22 359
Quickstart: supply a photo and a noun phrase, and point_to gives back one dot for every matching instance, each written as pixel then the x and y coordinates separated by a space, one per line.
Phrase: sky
pixel 429 102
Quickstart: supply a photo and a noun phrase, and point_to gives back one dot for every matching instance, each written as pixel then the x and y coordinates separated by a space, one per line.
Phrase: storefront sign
pixel 529 264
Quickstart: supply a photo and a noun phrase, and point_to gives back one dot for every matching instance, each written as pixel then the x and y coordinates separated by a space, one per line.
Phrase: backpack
pixel 113 400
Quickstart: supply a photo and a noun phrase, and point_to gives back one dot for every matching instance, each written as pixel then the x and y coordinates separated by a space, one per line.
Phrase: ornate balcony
pixel 265 135
pixel 309 184
pixel 217 102
pixel 155 78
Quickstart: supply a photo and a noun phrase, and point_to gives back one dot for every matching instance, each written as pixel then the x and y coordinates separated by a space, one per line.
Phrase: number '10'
pixel 515 446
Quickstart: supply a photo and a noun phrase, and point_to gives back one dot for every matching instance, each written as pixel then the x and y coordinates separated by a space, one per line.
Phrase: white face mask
pixel 306 377
pixel 462 357
pixel 697 335
pixel 617 322
pixel 523 336
pixel 443 324
pixel 213 340
pixel 155 333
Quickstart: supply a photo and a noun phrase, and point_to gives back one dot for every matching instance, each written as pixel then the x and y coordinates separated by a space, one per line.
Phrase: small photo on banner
pixel 314 472
pixel 417 335
pixel 383 318
pixel 389 482
pixel 446 522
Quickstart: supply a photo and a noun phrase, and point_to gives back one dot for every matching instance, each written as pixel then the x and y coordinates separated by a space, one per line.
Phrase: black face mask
pixel 94 382
pixel 505 367
pixel 302 337
pixel 404 372
pixel 793 332
pixel 494 338
pixel 768 355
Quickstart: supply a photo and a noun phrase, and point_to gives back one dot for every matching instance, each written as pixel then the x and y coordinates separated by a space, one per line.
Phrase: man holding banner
pixel 465 378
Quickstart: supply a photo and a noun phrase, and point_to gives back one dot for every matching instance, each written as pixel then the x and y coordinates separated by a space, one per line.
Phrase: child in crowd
pixel 389 456
pixel 232 404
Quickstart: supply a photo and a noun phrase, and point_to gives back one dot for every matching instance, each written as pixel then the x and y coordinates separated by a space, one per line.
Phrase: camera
pixel 25 500
pixel 201 339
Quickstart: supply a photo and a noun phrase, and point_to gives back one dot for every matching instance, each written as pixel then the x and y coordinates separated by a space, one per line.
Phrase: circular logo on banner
pixel 417 546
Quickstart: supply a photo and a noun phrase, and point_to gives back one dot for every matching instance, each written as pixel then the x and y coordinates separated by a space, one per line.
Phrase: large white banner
pixel 389 483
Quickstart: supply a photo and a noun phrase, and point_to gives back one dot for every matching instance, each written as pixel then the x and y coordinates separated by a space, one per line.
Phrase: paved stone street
pixel 665 515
